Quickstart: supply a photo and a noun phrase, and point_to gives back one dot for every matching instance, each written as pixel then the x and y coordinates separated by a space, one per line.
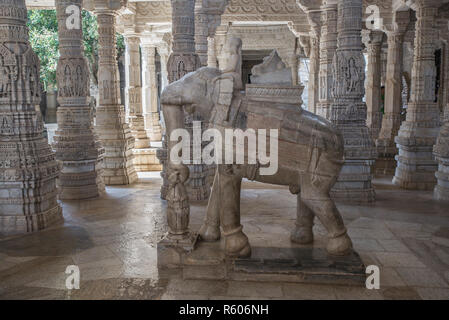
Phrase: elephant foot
pixel 209 233
pixel 237 244
pixel 302 235
pixel 340 246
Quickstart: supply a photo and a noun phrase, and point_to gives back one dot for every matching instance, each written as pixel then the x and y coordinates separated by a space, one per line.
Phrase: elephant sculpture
pixel 310 159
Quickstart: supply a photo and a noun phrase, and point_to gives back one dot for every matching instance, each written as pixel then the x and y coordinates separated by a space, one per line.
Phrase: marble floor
pixel 113 242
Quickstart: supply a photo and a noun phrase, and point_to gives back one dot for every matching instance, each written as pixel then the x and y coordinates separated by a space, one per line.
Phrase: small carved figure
pixel 229 80
pixel 79 81
pixel 178 211
pixel 233 63
pixel 4 82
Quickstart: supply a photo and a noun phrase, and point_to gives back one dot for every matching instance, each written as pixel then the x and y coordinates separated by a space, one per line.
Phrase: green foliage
pixel 90 35
pixel 43 26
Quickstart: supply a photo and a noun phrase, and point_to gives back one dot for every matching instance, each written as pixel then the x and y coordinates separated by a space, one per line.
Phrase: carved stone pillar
pixel 161 153
pixel 134 92
pixel 294 66
pixel 441 152
pixel 207 19
pixel 441 148
pixel 76 145
pixel 211 53
pixel 391 120
pixel 314 68
pixel 373 43
pixel 328 45
pixel 28 169
pixel 201 34
pixel 164 72
pixel 150 94
pixel 183 60
pixel 348 111
pixel 384 63
pixel 415 162
pixel 111 127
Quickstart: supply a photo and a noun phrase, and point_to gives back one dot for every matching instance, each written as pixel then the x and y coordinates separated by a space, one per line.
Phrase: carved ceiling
pixel 144 16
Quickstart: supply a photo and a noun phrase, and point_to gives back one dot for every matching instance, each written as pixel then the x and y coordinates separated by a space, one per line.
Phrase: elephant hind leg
pixel 302 233
pixel 315 195
pixel 210 230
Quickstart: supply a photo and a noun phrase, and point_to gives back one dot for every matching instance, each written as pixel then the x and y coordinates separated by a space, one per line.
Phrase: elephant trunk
pixel 174 119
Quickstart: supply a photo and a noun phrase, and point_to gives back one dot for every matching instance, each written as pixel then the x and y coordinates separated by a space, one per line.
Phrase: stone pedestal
pixel 76 145
pixel 299 265
pixel 415 162
pixel 28 168
pixel 348 111
pixel 133 92
pixel 111 127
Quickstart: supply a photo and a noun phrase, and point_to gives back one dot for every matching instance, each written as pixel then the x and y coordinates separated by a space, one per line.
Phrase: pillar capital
pixel 372 37
pixel 132 40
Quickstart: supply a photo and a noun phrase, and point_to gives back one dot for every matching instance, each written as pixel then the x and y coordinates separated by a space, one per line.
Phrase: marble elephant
pixel 310 159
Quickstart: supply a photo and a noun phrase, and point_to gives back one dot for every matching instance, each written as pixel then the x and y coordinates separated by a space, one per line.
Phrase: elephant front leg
pixel 236 242
pixel 302 233
pixel 210 230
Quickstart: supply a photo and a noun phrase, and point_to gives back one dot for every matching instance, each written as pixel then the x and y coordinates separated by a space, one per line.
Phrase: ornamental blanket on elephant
pixel 301 133
pixel 305 137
